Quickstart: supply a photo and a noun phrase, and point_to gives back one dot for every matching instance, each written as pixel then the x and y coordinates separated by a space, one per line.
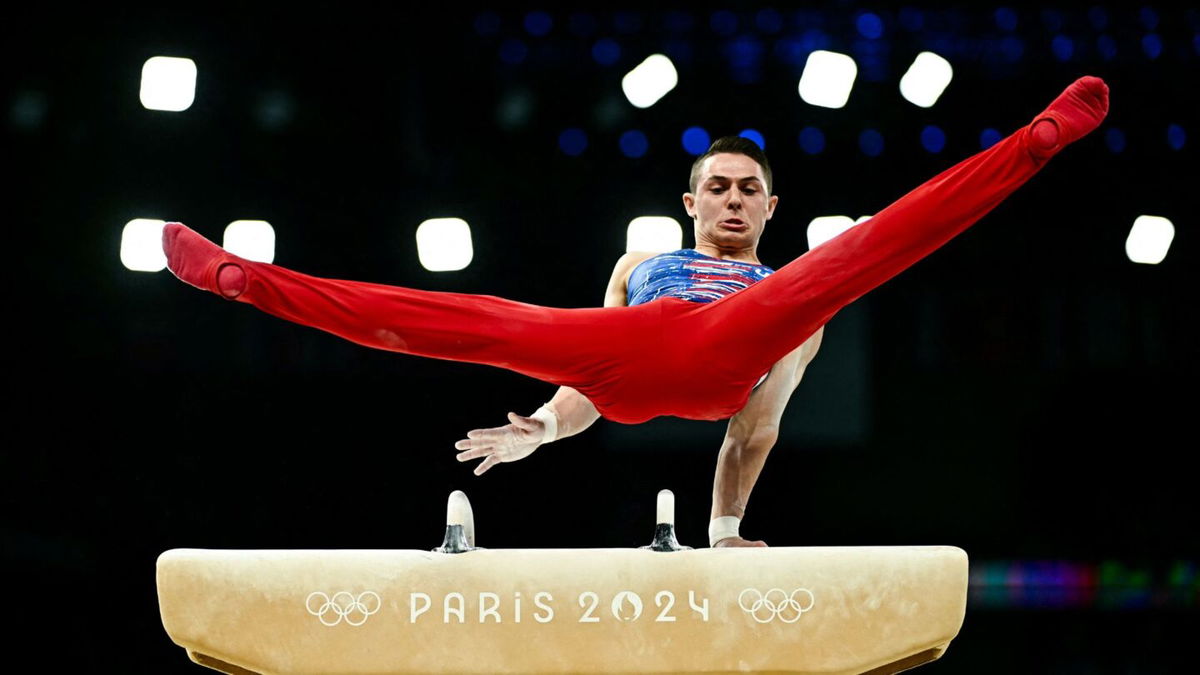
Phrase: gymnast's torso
pixel 690 275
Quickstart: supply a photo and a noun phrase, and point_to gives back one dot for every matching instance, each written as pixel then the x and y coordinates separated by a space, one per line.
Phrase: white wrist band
pixel 722 528
pixel 549 418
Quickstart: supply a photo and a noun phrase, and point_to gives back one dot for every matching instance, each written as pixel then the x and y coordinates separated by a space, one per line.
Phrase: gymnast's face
pixel 731 205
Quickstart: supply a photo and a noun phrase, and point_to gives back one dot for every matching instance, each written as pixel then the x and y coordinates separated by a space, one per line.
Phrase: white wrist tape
pixel 723 528
pixel 549 418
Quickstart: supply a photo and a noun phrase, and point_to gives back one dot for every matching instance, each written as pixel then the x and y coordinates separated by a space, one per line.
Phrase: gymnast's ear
pixel 771 203
pixel 689 204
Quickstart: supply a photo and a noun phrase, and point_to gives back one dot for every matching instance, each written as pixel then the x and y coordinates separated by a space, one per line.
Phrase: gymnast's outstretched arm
pixel 751 434
pixel 572 411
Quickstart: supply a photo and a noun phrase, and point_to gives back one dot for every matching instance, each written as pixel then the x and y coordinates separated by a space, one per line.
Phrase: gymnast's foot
pixel 1075 113
pixel 201 263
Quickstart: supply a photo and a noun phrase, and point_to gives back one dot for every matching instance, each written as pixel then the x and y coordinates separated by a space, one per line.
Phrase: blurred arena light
pixel 812 140
pixel 1176 137
pixel 827 79
pixel 1149 240
pixel 696 141
pixel 634 143
pixel 573 141
pixel 870 141
pixel 933 139
pixel 824 228
pixel 650 81
pixel 926 79
pixel 141 245
pixel 654 233
pixel 168 83
pixel 756 136
pixel 251 239
pixel 444 244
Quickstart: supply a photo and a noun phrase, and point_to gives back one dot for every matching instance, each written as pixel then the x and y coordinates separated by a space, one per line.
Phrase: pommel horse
pixel 660 609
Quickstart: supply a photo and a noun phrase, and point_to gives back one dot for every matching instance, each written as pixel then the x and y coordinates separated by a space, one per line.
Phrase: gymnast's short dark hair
pixel 736 145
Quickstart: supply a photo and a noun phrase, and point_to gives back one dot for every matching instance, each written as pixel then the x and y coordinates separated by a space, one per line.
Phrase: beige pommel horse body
pixel 660 609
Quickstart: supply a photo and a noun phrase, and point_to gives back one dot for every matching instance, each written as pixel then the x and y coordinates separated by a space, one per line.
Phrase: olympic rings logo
pixel 343 606
pixel 774 604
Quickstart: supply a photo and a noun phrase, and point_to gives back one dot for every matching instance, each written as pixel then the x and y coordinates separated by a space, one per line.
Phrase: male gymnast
pixel 730 199
pixel 636 358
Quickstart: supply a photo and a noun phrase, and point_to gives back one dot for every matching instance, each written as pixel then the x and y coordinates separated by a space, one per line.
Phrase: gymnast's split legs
pixel 629 361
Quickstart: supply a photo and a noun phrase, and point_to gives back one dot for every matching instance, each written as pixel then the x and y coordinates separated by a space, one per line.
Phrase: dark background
pixel 1026 393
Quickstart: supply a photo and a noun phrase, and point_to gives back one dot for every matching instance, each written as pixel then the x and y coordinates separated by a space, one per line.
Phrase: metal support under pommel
pixel 664 531
pixel 460 525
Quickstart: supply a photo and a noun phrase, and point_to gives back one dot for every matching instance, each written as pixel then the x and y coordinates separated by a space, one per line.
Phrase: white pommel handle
pixel 666 507
pixel 458 512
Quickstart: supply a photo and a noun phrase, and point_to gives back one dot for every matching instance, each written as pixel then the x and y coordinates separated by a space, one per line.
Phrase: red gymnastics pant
pixel 666 357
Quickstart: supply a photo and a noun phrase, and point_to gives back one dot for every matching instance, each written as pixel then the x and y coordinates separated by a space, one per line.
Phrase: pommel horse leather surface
pixel 779 610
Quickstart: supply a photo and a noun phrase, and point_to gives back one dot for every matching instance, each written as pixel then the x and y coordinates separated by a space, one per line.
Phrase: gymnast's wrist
pixel 549 420
pixel 723 528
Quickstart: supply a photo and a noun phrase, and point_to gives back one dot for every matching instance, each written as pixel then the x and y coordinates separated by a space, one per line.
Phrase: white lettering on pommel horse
pixel 353 609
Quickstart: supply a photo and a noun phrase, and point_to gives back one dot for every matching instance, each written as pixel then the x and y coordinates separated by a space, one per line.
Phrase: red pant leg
pixel 747 332
pixel 607 353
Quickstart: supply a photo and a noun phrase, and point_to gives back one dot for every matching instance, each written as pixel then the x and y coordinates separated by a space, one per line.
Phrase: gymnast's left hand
pixel 738 542
pixel 513 441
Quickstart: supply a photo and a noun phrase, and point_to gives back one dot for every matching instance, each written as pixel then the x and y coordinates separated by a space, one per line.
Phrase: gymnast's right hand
pixel 508 443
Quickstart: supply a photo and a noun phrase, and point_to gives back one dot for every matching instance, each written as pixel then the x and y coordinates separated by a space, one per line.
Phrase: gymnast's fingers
pixel 478 444
pixel 486 464
pixel 523 423
pixel 473 454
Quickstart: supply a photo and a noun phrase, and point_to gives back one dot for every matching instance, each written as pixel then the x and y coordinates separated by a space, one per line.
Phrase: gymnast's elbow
pixel 751 439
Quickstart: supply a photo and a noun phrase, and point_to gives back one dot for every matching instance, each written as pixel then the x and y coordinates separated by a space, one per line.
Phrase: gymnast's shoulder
pixel 618 284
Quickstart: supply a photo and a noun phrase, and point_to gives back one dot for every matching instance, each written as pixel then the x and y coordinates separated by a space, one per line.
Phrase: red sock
pixel 1077 111
pixel 201 263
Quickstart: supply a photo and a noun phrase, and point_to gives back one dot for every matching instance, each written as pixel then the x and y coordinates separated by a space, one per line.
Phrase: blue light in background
pixel 1006 19
pixel 1063 47
pixel 696 141
pixel 1013 48
pixel 1114 138
pixel 538 23
pixel 1176 137
pixel 815 38
pixel 1149 18
pixel 768 21
pixel 870 142
pixel 572 142
pixel 989 137
pixel 1107 47
pixel 606 52
pixel 812 140
pixel 513 51
pixel 487 23
pixel 756 137
pixel 1152 45
pixel 1052 19
pixel 744 52
pixel 679 50
pixel 634 143
pixel 723 22
pixel 933 139
pixel 869 25
pixel 1098 16
pixel 791 50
